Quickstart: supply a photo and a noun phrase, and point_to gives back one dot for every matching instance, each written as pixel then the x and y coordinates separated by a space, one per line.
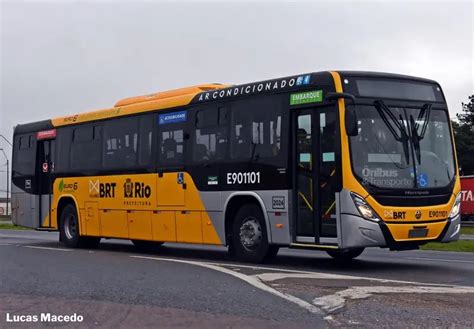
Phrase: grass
pixel 467 230
pixel 460 245
pixel 6 226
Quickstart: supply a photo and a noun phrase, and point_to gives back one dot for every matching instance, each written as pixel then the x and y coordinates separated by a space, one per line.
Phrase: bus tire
pixel 272 252
pixel 249 234
pixel 345 255
pixel 69 227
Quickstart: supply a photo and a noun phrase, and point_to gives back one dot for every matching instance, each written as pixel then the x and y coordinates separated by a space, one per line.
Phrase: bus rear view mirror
pixel 351 121
pixel 350 115
pixel 331 96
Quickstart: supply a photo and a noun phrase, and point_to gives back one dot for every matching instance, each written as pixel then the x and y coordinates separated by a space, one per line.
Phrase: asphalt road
pixel 197 286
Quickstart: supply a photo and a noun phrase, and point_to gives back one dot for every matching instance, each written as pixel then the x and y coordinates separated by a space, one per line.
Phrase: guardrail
pixel 467 223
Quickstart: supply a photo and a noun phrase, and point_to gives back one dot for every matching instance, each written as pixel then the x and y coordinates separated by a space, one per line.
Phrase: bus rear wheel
pixel 345 255
pixel 249 235
pixel 69 230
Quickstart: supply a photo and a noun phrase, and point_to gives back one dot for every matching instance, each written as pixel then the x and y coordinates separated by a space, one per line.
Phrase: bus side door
pixel 317 177
pixel 45 170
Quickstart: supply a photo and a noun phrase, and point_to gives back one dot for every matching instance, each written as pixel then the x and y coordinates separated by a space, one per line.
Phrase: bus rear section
pixel 33 165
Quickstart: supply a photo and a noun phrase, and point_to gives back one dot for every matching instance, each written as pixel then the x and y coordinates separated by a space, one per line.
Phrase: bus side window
pixel 120 143
pixel 63 149
pixel 145 141
pixel 256 128
pixel 171 146
pixel 24 156
pixel 84 142
pixel 210 137
pixel 25 142
pixel 241 135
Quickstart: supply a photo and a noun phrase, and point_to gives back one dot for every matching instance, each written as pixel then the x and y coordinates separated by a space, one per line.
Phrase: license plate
pixel 418 233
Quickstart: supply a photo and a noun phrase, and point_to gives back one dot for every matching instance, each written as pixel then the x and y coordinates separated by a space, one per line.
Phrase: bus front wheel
pixel 249 235
pixel 69 230
pixel 345 255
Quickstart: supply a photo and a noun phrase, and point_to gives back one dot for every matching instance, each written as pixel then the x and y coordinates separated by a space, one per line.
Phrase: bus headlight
pixel 364 209
pixel 456 206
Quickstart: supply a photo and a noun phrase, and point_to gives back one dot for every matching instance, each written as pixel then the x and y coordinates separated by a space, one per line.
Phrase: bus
pixel 335 161
pixel 467 198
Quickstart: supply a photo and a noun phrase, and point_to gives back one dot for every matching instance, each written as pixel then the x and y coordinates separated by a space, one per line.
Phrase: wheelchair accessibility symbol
pixel 423 180
pixel 180 178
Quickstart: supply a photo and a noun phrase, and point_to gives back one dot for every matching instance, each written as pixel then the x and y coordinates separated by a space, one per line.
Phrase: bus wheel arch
pixel 245 213
pixel 68 215
pixel 62 203
pixel 232 205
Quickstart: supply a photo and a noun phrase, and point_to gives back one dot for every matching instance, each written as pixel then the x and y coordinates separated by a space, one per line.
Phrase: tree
pixel 464 136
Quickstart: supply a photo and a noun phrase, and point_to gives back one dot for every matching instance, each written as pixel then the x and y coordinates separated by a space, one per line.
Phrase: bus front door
pixel 316 179
pixel 45 169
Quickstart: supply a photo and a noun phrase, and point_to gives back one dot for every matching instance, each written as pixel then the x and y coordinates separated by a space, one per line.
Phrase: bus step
pixel 46 229
pixel 312 245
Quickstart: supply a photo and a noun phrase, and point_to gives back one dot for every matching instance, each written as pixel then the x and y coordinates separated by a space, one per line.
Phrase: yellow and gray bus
pixel 336 161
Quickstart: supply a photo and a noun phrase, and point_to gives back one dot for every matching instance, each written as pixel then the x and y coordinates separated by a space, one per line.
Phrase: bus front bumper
pixel 453 230
pixel 358 232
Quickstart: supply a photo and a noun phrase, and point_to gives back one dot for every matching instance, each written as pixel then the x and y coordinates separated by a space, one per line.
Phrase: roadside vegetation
pixel 461 245
pixel 467 230
pixel 464 136
pixel 8 226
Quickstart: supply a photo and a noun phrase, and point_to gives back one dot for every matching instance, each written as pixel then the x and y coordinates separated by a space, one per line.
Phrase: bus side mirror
pixel 331 96
pixel 351 121
pixel 350 116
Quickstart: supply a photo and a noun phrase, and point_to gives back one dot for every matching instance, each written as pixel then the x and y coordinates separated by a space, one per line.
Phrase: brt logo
pixel 107 190
pixel 395 214
pixel 101 190
pixel 136 189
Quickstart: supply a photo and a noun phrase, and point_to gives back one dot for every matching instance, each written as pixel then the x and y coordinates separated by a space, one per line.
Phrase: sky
pixel 58 58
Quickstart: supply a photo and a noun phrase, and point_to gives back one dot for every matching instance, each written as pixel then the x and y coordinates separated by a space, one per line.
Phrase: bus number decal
pixel 250 177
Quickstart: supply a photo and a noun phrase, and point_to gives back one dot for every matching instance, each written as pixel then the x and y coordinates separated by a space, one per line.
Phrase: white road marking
pixel 442 260
pixel 330 276
pixel 48 248
pixel 331 303
pixel 330 319
pixel 317 274
pixel 5 244
pixel 253 281
pixel 278 276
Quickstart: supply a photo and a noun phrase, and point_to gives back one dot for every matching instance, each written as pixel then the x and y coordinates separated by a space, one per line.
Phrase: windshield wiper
pixel 415 125
pixel 402 137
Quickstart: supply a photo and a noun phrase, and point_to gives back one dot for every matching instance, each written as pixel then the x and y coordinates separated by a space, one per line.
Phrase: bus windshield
pixel 402 148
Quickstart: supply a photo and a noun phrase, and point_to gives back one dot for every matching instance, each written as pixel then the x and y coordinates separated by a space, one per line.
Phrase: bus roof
pixel 139 104
pixel 198 94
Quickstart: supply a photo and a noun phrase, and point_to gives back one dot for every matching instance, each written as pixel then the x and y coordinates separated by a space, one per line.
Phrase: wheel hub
pixel 250 233
pixel 70 227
